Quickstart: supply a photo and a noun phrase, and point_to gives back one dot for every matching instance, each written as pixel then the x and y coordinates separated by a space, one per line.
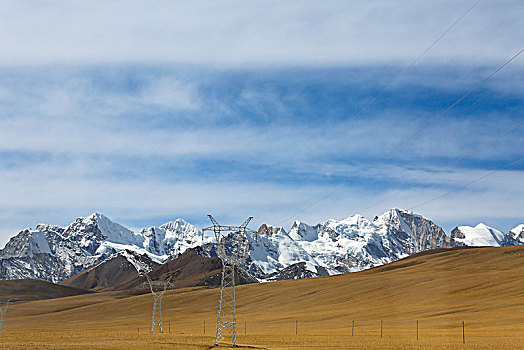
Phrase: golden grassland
pixel 484 287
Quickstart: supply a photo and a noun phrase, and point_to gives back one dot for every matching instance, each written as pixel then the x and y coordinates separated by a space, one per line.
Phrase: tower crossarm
pixel 227 228
pixel 219 228
pixel 4 304
pixel 244 225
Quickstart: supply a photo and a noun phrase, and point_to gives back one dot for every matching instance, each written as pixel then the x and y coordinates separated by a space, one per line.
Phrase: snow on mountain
pixel 93 229
pixel 338 244
pixel 107 248
pixel 30 242
pixel 55 253
pixel 480 235
pixel 355 243
pixel 274 250
pixel 266 253
pixel 173 238
pixel 297 271
pixel 40 266
pixel 517 234
pixel 141 262
pixel 38 243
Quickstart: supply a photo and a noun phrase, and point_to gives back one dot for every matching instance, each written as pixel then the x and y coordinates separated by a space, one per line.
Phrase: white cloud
pixel 260 32
pixel 102 131
pixel 72 95
pixel 34 196
pixel 79 128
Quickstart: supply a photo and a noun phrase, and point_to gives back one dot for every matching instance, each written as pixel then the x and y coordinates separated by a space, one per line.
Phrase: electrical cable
pixel 467 184
pixel 405 141
pixel 444 167
pixel 401 73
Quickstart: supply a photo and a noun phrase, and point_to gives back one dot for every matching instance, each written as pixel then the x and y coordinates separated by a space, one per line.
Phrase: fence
pixel 453 331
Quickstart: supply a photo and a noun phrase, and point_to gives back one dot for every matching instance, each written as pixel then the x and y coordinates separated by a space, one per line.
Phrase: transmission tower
pixel 158 289
pixel 233 249
pixel 3 310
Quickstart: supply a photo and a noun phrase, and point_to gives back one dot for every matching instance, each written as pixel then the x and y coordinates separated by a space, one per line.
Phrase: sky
pixel 151 111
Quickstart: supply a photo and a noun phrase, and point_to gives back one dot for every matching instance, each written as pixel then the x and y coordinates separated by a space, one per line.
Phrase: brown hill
pixel 188 270
pixel 484 287
pixel 109 275
pixel 29 289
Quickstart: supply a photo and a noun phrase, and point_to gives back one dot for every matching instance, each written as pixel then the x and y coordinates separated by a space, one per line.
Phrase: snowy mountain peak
pixel 269 253
pixel 38 243
pixel 47 227
pixel 355 242
pixel 482 225
pixel 303 232
pixel 172 238
pixel 388 217
pixel 141 262
pixel 480 235
pixel 265 229
pixel 396 214
pixel 356 220
pixel 180 226
pixel 517 234
pixel 93 229
pixel 353 218
pixel 27 243
pixel 54 253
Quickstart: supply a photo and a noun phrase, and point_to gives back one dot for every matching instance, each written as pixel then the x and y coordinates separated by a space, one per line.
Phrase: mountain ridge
pixel 54 253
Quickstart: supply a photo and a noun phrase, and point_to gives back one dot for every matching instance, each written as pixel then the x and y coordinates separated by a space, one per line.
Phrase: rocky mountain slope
pixel 117 270
pixel 356 243
pixel 480 235
pixel 56 253
pixel 297 271
pixel 190 269
pixel 517 234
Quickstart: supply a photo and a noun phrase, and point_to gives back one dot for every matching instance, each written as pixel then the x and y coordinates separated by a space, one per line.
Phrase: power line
pixel 467 184
pixel 401 73
pixel 445 167
pixel 409 138
pixel 415 61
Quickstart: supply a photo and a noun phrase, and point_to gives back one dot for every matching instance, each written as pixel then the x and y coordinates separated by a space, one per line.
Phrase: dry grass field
pixel 484 287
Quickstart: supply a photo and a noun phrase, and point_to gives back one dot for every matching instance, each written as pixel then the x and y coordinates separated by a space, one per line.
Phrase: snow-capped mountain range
pixel 55 253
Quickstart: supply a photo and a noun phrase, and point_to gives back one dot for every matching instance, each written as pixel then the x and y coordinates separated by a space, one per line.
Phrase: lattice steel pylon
pixel 3 310
pixel 158 289
pixel 233 250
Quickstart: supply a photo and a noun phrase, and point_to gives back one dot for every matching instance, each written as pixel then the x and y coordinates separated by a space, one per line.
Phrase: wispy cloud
pixel 263 32
pixel 151 111
pixel 144 146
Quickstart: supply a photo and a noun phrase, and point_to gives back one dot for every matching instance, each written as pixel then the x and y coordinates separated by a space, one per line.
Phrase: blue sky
pixel 149 113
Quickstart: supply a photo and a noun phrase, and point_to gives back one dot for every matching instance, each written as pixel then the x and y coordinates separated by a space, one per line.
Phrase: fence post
pixel 352 327
pixel 138 329
pixel 463 334
pixel 296 327
pixel 381 328
pixel 204 326
pixel 245 327
pixel 169 327
pixel 417 329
